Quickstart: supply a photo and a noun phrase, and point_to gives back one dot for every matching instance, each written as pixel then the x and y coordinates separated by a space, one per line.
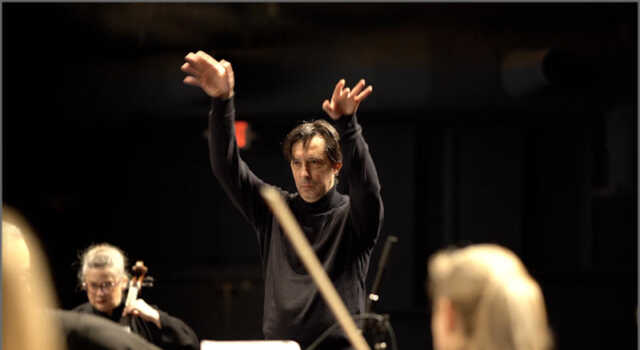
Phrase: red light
pixel 241 133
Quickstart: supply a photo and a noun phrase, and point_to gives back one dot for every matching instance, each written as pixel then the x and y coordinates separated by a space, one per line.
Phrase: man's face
pixel 312 170
pixel 104 288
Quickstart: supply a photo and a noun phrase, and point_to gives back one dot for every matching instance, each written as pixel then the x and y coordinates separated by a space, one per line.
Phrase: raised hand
pixel 143 310
pixel 214 77
pixel 345 101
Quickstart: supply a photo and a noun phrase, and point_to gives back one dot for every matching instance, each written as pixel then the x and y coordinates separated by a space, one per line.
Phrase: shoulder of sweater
pixel 344 199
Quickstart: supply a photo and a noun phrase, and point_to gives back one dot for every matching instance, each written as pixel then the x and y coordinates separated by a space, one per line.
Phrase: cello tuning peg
pixel 147 281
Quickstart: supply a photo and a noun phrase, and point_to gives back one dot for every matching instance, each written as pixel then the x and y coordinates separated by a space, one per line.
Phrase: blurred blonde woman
pixel 26 292
pixel 483 298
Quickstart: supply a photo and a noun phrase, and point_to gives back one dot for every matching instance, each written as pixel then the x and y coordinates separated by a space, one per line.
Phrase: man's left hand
pixel 345 101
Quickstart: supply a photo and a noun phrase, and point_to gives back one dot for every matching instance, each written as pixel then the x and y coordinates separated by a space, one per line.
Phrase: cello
pixel 138 280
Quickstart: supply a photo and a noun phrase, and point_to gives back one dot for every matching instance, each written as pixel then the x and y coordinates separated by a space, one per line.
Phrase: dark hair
pixel 306 131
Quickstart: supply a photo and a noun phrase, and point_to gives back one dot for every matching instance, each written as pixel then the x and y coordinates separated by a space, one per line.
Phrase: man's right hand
pixel 215 78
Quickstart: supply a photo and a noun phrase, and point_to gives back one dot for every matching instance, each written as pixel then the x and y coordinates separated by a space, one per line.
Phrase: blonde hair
pixel 28 297
pixel 102 256
pixel 500 304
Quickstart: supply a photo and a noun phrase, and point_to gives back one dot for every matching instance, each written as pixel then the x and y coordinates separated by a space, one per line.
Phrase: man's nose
pixel 305 171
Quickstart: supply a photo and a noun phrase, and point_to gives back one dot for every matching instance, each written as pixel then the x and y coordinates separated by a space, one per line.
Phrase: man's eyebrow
pixel 307 158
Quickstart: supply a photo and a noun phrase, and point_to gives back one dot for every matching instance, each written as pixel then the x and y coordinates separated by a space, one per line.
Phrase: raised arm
pixel 216 79
pixel 359 170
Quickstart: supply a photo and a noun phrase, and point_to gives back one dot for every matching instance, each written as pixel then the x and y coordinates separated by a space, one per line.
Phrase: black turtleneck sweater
pixel 174 334
pixel 342 229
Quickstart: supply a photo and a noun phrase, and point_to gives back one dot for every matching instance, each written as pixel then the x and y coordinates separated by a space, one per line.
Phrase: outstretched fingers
pixel 366 92
pixel 356 89
pixel 345 93
pixel 195 61
pixel 188 68
pixel 337 91
pixel 189 80
pixel 200 62
pixel 326 106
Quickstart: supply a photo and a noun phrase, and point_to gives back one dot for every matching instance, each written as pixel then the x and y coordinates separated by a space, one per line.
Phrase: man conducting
pixel 342 229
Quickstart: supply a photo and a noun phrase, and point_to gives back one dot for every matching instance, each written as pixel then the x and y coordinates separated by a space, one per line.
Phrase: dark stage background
pixel 506 123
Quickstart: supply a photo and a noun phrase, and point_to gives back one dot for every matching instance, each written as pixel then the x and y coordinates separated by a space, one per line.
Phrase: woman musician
pixel 104 277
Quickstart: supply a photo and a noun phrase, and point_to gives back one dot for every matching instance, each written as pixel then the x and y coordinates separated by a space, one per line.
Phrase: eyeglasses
pixel 106 287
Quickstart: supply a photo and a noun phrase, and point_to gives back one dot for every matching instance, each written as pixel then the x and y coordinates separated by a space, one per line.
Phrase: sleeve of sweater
pixel 363 186
pixel 175 334
pixel 240 184
pixel 86 331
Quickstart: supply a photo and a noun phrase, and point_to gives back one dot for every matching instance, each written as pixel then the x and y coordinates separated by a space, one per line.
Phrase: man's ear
pixel 336 167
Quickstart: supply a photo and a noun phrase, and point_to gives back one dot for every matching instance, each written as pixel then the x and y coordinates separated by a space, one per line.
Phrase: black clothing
pixel 174 334
pixel 342 229
pixel 83 331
